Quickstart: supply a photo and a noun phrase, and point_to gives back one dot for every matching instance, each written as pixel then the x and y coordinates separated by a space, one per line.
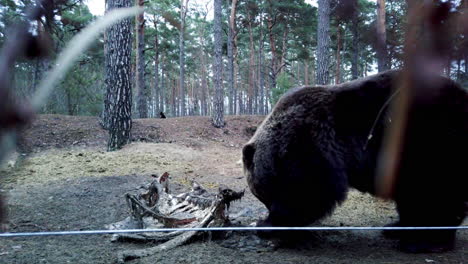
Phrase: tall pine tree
pixel 218 104
pixel 118 102
pixel 142 101
pixel 323 42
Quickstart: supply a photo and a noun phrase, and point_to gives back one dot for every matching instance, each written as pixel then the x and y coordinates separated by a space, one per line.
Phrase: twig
pixel 142 238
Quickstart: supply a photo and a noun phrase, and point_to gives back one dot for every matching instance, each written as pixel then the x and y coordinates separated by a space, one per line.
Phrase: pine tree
pixel 382 57
pixel 230 65
pixel 183 14
pixel 218 104
pixel 118 85
pixel 140 64
pixel 323 42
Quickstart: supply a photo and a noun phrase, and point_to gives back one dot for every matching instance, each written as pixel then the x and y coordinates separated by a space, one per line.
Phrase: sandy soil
pixel 63 179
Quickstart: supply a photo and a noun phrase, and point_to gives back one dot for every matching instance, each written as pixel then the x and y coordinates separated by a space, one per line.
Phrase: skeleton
pixel 156 207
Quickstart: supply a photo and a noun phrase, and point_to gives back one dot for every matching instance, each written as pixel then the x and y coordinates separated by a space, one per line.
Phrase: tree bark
pixel 173 98
pixel 382 57
pixel 218 104
pixel 183 14
pixel 241 101
pixel 338 55
pixel 162 100
pixel 231 35
pixel 235 52
pixel 323 42
pixel 140 64
pixel 118 103
pixel 204 84
pixel 250 94
pixel 271 22
pixel 197 101
pixel 203 70
pixel 157 89
pixel 261 75
pixel 236 70
pixel 355 41
pixel 284 48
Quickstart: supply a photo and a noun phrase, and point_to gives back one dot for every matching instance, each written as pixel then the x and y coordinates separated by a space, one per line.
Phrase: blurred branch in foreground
pixel 428 46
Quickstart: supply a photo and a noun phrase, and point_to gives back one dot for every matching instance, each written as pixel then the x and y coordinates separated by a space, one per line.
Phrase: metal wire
pixel 207 229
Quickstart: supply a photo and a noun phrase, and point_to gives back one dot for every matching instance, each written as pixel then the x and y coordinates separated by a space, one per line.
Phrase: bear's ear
pixel 248 153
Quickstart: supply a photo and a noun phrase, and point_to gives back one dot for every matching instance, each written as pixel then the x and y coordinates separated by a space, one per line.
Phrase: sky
pixel 97 8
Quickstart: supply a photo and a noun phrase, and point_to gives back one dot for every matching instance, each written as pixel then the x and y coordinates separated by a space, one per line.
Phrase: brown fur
pixel 314 145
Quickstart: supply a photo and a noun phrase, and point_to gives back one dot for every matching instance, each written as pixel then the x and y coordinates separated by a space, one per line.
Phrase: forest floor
pixel 63 179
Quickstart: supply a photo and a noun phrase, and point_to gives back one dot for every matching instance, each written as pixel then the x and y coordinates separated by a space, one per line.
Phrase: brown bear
pixel 315 144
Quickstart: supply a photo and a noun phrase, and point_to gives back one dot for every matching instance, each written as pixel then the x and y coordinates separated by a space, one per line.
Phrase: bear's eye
pixel 248 153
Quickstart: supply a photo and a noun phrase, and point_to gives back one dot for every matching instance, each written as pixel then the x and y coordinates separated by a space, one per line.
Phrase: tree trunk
pixel 355 41
pixel 338 55
pixel 297 75
pixel 241 102
pixel 273 63
pixel 382 56
pixel 204 84
pixel 69 102
pixel 203 71
pixel 323 42
pixel 173 97
pixel 177 98
pixel 183 14
pixel 41 65
pixel 312 74
pixel 190 97
pixel 218 104
pixel 230 66
pixel 157 89
pixel 162 100
pixel 234 58
pixel 250 94
pixel 261 76
pixel 231 35
pixel 118 103
pixel 197 104
pixel 236 71
pixel 140 64
pixel 284 48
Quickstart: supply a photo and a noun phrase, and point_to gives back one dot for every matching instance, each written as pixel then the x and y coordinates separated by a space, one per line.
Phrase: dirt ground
pixel 63 179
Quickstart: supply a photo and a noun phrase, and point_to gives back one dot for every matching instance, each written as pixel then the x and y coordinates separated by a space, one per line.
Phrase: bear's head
pixel 290 163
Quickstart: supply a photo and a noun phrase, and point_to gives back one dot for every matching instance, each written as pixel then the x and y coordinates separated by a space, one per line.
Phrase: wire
pixel 207 229
pixel 377 118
